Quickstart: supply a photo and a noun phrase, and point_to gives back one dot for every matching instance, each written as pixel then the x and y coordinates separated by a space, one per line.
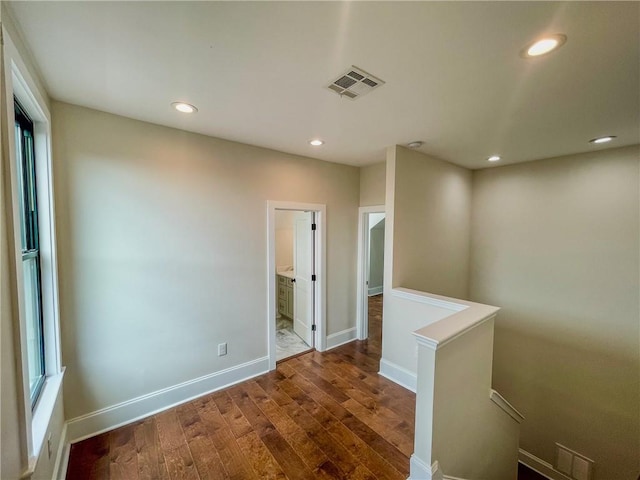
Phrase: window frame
pixel 30 245
pixel 29 93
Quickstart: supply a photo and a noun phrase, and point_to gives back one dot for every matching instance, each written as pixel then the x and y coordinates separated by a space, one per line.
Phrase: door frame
pixel 320 287
pixel 362 290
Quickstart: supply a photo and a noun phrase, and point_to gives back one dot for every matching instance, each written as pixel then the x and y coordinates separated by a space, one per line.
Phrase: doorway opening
pixel 371 231
pixel 296 286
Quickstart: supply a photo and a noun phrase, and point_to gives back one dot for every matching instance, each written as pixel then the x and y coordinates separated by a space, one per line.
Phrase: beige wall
pixel 426 248
pixel 555 244
pixel 162 238
pixel 372 185
pixel 284 237
pixel 472 436
pixel 432 208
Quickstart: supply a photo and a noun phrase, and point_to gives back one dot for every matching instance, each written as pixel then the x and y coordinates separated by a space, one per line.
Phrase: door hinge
pixel 313 226
pixel 313 278
pixel 313 327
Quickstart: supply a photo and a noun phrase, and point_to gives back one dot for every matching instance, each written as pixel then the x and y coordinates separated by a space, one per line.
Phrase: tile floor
pixel 288 343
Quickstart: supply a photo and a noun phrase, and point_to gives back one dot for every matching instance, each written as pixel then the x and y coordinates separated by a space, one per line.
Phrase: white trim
pixel 374 291
pixel 320 315
pixel 105 419
pixel 62 458
pixel 428 298
pixel 340 338
pixel 540 466
pixel 509 409
pixel 419 470
pixel 363 253
pixel 397 374
pixel 41 416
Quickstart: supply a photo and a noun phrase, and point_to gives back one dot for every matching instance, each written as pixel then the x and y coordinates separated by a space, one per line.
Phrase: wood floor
pixel 321 415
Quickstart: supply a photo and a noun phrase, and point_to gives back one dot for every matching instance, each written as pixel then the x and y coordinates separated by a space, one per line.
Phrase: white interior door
pixel 303 268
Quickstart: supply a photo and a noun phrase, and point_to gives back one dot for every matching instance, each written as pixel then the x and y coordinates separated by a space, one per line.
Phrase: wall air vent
pixel 354 83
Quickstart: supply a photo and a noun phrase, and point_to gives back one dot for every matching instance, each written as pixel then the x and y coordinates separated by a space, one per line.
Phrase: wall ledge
pixel 438 334
pixel 430 299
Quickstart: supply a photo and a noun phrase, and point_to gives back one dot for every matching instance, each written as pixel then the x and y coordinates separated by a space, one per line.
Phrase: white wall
pixel 284 237
pixel 555 244
pixel 372 184
pixel 163 251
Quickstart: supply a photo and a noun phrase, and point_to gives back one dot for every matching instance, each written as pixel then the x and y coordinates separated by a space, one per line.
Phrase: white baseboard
pixel 418 470
pixel 340 338
pixel 543 468
pixel 62 457
pixel 375 290
pixel 398 374
pixel 124 413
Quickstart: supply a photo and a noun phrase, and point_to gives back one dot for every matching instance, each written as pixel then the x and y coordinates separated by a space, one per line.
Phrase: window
pixel 30 245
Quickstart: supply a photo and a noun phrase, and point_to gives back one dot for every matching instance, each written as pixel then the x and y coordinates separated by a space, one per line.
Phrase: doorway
pixel 296 286
pixel 371 228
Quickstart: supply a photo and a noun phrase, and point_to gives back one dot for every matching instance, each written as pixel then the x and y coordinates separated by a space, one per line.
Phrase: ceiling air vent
pixel 354 83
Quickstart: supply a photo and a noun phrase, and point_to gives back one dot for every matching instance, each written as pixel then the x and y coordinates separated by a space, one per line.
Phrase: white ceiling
pixel 258 70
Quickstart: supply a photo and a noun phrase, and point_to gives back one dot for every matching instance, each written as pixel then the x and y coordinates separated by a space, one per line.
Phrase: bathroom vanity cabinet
pixel 285 296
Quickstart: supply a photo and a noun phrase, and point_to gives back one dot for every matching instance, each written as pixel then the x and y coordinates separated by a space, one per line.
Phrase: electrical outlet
pixel 222 349
pixel 581 469
pixel 565 459
pixel 573 464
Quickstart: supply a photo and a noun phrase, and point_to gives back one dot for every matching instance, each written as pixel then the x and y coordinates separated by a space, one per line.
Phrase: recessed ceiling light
pixel 184 107
pixel 416 144
pixel 494 158
pixel 544 45
pixel 316 142
pixel 606 139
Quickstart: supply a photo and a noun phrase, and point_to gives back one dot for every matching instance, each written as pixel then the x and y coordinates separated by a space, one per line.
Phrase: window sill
pixel 41 417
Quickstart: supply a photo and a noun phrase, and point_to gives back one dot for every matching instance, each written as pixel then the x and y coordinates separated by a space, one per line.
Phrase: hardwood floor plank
pixel 369 435
pixel 180 464
pixel 177 455
pixel 365 453
pixel 150 459
pixel 123 454
pixel 205 456
pixel 261 459
pixel 390 431
pixel 231 413
pixel 316 420
pixel 254 416
pixel 286 457
pixel 290 431
pixel 169 430
pixel 231 455
pixel 89 459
